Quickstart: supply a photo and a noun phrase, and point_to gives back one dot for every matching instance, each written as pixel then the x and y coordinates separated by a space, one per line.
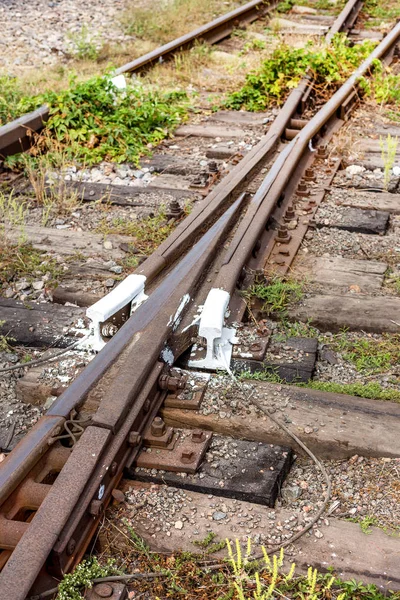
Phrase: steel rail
pixel 212 32
pixel 106 418
pixel 146 332
pixel 264 201
pixel 16 136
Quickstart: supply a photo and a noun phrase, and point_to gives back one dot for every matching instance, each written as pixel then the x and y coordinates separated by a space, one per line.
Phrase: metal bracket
pixel 184 457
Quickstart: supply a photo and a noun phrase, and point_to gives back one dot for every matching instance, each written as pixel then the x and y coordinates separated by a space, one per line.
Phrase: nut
pixel 157 427
pixel 103 590
pixel 134 438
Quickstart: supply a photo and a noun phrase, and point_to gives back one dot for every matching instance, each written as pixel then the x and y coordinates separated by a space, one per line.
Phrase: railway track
pixel 57 482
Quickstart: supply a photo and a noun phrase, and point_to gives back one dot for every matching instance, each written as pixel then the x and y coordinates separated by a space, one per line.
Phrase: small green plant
pixel 277 295
pixel 84 46
pixel 5 340
pixel 147 234
pixel 366 524
pixel 285 6
pixel 280 73
pixel 93 120
pixel 369 354
pixel 13 213
pixel 208 545
pixel 74 585
pixel 25 261
pixel 269 375
pixel 388 150
pixel 371 390
pixel 254 44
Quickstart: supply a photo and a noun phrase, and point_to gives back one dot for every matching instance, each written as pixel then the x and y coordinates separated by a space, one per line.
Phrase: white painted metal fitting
pixel 219 338
pixel 129 290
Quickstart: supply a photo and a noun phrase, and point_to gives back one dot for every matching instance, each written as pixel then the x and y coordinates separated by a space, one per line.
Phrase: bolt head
pixel 157 427
pixel 134 438
pixel 187 456
pixel 198 436
pixel 71 546
pixel 96 508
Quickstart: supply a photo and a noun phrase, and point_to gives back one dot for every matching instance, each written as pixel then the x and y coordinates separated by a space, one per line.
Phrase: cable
pixel 299 443
pixel 39 361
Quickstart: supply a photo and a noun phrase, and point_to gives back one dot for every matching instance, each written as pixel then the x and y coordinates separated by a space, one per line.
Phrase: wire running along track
pixel 125 377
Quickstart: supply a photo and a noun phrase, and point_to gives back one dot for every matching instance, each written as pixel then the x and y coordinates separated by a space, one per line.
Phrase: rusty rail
pixel 128 370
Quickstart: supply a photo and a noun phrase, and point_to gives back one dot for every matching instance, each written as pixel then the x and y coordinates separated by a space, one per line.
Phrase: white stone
pixel 355 169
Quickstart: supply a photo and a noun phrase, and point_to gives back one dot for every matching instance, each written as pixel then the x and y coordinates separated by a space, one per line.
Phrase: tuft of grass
pixel 147 234
pixel 388 153
pixel 277 295
pixel 25 261
pixel 84 46
pixel 372 390
pixel 13 214
pixel 369 355
pixel 161 22
pixel 280 73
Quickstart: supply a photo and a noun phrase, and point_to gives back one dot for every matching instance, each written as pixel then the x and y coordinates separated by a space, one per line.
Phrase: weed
pixel 82 577
pixel 164 21
pixel 94 121
pixel 207 543
pixel 372 390
pixel 5 340
pixel 269 374
pixel 24 260
pixel 369 355
pixel 287 65
pixel 382 10
pixel 277 295
pixel 147 233
pixel 285 6
pixel 295 329
pixel 254 44
pixel 388 150
pixel 12 215
pixel 366 524
pixel 84 46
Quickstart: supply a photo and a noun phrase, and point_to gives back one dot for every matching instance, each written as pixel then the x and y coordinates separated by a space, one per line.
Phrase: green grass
pixel 277 295
pixel 368 354
pixel 147 234
pixel 25 261
pixel 372 390
pixel 280 73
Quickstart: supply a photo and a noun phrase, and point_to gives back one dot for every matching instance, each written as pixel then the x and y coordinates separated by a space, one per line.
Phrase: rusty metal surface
pixel 183 456
pixel 273 186
pixel 15 136
pixel 31 552
pixel 27 453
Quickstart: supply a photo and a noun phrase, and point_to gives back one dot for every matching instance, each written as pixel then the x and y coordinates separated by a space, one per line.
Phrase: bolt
pixel 187 456
pixel 309 175
pixel 198 436
pixel 113 468
pixel 289 214
pixel 256 347
pixel 302 189
pixel 103 590
pixel 134 438
pixel 157 427
pixel 71 546
pixel 96 508
pixel 282 235
pixel 146 406
pixel 174 210
pixel 172 383
pixel 109 329
pixel 213 167
pixel 321 151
